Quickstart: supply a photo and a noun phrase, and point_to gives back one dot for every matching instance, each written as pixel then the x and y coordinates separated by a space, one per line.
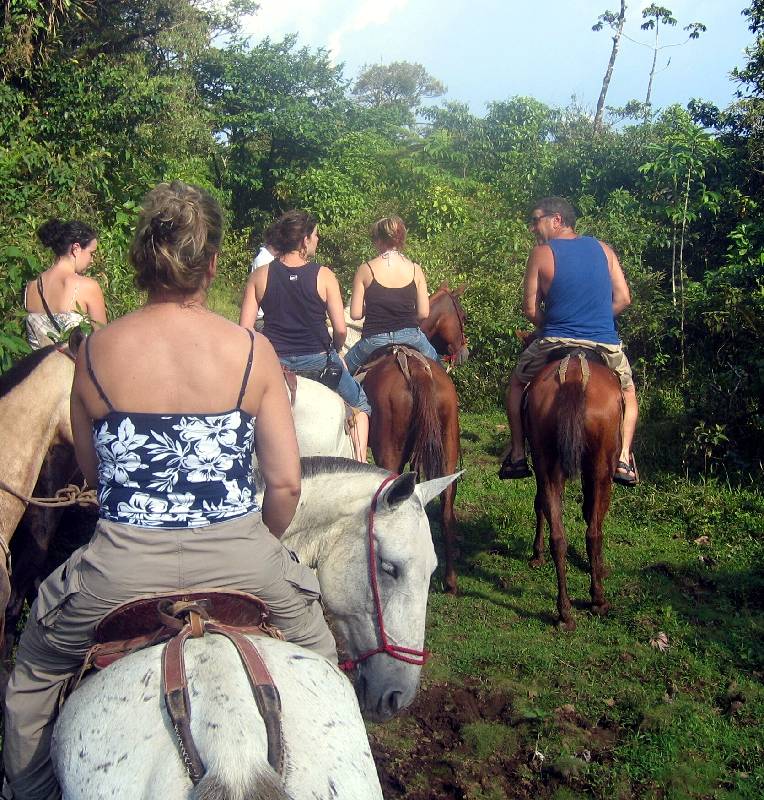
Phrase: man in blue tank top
pixel 574 288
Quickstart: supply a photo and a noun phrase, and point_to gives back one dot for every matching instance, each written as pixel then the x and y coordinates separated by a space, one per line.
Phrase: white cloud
pixel 371 13
pixel 276 18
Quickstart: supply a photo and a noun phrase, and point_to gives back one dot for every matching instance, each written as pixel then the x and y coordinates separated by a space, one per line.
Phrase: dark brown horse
pixel 573 419
pixel 415 420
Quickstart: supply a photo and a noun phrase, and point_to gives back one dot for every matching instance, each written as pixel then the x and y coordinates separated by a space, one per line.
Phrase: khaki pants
pixel 533 358
pixel 120 563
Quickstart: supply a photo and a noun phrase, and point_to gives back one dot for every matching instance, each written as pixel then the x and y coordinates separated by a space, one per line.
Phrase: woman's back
pixel 171 359
pixel 391 270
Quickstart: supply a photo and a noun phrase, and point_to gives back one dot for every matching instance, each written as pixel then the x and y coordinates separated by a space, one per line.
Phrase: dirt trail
pixel 470 743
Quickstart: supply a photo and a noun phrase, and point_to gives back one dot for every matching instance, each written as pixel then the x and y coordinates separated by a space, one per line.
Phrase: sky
pixel 490 50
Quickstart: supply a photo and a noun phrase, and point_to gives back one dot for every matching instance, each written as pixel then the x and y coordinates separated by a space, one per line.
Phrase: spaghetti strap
pixel 93 378
pixel 373 276
pixel 245 381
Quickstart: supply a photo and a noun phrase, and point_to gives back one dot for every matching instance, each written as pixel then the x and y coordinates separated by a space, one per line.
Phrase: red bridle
pixel 406 654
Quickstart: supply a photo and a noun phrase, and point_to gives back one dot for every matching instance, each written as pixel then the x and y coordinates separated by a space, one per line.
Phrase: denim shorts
pixel 348 389
pixel 360 352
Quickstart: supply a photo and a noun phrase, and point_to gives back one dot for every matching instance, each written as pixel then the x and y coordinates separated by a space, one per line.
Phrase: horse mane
pixel 313 466
pixel 23 369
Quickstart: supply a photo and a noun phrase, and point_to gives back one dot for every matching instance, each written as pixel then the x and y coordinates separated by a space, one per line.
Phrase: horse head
pixel 526 337
pixel 374 555
pixel 446 324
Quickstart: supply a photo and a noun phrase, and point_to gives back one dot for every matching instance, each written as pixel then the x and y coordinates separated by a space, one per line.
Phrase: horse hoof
pixel 600 609
pixel 568 625
pixel 537 562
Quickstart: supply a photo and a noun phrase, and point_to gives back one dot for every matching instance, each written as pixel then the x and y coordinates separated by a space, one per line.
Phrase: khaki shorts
pixel 533 358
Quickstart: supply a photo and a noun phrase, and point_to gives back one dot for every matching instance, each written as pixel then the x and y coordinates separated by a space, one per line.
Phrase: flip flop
pixel 510 470
pixel 626 474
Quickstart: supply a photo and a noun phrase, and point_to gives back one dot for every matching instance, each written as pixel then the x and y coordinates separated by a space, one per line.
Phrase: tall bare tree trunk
pixel 609 71
pixel 652 74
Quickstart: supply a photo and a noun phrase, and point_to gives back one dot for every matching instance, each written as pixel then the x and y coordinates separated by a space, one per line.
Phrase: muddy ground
pixel 471 743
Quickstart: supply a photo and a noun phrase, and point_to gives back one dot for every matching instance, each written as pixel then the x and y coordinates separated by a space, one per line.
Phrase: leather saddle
pixel 174 618
pixel 589 353
pixel 402 354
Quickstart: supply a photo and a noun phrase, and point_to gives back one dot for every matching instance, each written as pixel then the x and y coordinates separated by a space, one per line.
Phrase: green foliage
pixel 399 84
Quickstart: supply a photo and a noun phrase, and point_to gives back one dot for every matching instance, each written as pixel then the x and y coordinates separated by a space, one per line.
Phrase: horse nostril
pixel 392 703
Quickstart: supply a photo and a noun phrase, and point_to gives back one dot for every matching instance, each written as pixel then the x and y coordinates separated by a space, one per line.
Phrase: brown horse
pixel 37 458
pixel 416 420
pixel 573 419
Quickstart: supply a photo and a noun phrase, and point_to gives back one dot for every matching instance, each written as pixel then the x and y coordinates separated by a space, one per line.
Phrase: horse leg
pixel 5 595
pixel 597 486
pixel 31 544
pixel 538 559
pixel 558 545
pixel 447 516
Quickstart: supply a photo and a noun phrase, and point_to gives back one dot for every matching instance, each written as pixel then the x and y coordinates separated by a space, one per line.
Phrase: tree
pixel 656 16
pixel 616 22
pixel 680 161
pixel 276 109
pixel 401 84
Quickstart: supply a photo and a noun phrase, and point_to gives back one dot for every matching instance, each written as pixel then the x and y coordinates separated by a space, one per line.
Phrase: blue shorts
pixel 348 389
pixel 360 352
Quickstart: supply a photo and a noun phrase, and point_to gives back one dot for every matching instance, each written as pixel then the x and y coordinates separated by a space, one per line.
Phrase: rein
pixel 69 495
pixel 405 654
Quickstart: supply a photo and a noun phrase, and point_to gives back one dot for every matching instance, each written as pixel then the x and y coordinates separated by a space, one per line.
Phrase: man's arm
pixel 621 293
pixel 532 296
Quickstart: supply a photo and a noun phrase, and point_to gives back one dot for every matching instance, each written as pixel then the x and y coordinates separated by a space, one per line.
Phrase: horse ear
pixel 429 489
pixel 399 490
pixel 459 291
pixel 76 337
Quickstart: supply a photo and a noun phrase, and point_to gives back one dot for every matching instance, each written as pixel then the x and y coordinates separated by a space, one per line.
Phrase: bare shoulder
pixel 85 285
pixel 540 254
pixel 609 252
pixel 327 275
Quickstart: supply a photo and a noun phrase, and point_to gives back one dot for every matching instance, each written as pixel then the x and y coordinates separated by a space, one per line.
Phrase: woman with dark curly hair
pixel 62 297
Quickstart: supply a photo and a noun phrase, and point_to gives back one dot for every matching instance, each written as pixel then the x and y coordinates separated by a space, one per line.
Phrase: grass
pixel 600 712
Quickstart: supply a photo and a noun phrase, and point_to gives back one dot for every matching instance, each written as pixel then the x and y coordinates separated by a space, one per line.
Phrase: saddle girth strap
pixel 585 371
pixel 178 702
pixel 264 689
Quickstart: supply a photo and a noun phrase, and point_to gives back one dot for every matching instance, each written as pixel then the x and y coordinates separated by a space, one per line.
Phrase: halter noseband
pixel 405 654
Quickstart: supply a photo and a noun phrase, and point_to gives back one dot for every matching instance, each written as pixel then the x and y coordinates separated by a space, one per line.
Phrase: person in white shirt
pixel 265 256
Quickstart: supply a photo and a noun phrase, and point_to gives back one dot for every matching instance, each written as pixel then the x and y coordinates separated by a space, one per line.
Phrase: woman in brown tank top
pixel 390 294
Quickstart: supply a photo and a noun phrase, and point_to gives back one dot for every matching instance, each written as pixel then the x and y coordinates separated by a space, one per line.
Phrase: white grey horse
pixel 319 421
pixel 114 738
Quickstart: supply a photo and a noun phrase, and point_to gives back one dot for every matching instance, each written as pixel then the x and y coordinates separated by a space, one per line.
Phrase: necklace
pixel 388 253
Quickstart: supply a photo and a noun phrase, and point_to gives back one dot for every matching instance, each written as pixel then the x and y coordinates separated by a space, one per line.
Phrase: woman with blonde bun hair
pixel 390 295
pixel 168 406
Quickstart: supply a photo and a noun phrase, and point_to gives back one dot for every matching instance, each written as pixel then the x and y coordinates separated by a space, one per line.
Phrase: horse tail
pixel 263 784
pixel 427 451
pixel 570 426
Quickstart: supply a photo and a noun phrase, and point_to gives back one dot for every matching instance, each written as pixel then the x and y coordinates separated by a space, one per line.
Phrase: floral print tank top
pixel 174 470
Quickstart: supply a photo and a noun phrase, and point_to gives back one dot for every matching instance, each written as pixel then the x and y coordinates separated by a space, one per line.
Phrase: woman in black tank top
pixel 296 295
pixel 390 295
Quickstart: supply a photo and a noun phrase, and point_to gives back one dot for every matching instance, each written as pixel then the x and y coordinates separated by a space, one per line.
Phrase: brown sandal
pixel 626 474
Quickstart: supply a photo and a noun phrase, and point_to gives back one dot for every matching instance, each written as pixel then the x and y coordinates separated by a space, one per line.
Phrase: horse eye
pixel 389 568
